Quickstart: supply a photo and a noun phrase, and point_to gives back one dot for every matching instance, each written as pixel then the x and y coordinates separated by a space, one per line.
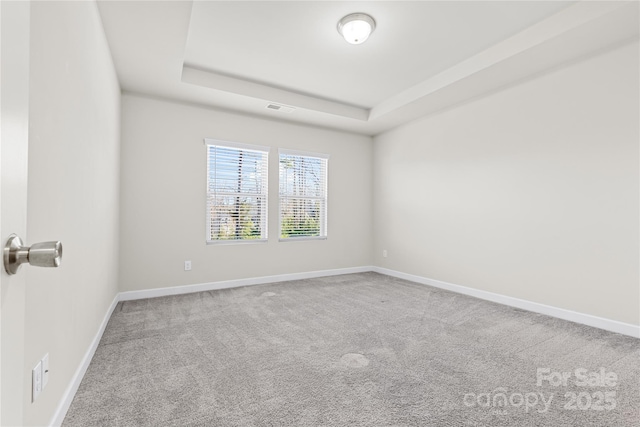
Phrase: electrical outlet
pixel 45 370
pixel 384 253
pixel 36 381
pixel 187 265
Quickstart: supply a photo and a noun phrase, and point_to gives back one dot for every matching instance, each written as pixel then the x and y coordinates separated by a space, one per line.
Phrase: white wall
pixel 73 191
pixel 531 192
pixel 163 197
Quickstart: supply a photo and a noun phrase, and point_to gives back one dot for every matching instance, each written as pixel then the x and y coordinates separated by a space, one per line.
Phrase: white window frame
pixel 209 142
pixel 324 215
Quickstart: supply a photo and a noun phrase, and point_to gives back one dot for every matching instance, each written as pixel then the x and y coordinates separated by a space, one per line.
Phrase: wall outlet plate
pixel 187 265
pixel 36 381
pixel 45 370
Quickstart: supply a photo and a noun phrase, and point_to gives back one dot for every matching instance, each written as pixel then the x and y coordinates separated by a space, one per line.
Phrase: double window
pixel 237 193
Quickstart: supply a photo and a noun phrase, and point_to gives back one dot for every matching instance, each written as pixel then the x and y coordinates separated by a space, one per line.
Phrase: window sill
pixel 297 239
pixel 235 242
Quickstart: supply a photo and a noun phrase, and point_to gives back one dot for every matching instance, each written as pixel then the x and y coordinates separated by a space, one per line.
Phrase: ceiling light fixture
pixel 356 27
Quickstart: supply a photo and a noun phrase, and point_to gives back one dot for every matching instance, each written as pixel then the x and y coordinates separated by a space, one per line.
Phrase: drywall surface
pixel 163 189
pixel 531 192
pixel 73 192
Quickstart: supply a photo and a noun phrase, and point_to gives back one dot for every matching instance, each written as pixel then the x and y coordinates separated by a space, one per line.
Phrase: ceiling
pixel 423 57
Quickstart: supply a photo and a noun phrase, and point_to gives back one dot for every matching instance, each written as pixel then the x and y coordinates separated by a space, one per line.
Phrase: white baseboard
pixel 225 284
pixel 561 313
pixel 72 388
pixel 586 319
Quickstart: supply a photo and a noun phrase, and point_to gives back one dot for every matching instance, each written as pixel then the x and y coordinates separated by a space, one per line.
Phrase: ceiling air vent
pixel 280 108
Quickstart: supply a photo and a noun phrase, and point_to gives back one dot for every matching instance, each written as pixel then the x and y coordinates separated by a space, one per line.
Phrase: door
pixel 14 126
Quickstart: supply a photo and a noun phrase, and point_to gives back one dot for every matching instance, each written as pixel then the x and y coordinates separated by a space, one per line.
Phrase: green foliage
pixel 304 225
pixel 250 231
pixel 229 219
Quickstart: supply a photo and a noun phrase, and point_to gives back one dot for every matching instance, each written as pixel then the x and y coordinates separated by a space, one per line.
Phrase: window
pixel 236 192
pixel 303 195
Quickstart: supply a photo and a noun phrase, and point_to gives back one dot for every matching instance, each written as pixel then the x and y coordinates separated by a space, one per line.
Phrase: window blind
pixel 303 195
pixel 236 193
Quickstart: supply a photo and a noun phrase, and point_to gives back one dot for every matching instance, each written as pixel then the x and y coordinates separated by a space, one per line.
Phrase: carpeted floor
pixel 354 350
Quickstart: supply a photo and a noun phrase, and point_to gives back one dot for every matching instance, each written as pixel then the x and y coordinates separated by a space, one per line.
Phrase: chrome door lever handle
pixel 45 254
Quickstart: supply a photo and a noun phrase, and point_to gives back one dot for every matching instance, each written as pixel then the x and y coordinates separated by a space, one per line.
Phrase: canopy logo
pixel 498 399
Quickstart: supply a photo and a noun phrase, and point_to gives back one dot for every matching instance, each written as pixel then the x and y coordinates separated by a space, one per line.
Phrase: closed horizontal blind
pixel 236 193
pixel 303 196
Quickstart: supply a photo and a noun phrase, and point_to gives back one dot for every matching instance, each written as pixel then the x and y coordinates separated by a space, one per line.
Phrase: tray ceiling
pixel 422 57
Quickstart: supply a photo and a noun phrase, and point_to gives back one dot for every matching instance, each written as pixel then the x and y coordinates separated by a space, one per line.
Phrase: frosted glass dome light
pixel 356 27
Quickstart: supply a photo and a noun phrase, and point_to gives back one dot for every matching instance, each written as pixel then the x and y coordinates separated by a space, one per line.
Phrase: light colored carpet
pixel 354 350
